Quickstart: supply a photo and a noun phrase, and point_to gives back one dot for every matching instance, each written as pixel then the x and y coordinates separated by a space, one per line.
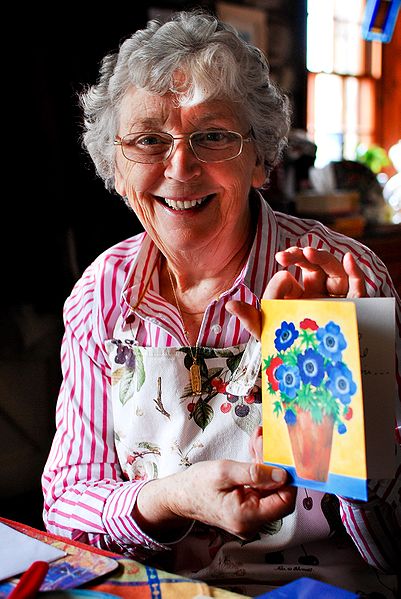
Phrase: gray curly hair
pixel 215 63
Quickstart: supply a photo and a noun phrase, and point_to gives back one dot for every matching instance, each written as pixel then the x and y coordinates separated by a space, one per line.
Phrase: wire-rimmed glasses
pixel 151 147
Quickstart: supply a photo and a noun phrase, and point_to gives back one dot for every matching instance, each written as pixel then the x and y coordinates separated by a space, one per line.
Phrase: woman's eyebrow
pixel 215 116
pixel 157 123
pixel 147 124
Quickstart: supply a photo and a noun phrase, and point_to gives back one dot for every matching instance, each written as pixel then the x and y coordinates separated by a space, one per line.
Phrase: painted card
pixel 313 413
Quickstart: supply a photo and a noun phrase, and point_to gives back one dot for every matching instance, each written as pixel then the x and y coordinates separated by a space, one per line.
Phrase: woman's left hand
pixel 322 276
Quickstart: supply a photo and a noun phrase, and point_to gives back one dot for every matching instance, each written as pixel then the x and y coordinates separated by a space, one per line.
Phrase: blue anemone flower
pixel 311 367
pixel 341 429
pixel 289 380
pixel 340 382
pixel 332 341
pixel 285 335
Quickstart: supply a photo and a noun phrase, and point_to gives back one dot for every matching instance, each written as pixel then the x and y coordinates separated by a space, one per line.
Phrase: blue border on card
pixel 345 486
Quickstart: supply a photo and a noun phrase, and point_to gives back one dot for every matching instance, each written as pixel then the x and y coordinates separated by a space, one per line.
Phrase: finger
pixel 313 276
pixel 279 504
pixel 333 278
pixel 256 510
pixel 291 256
pixel 295 256
pixel 248 315
pixel 356 277
pixel 256 444
pixel 322 273
pixel 283 285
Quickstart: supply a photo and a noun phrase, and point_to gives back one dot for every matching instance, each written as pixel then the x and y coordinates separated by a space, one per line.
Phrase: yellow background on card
pixel 348 456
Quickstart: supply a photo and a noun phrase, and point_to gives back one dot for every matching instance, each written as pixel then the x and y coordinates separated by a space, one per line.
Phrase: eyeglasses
pixel 216 145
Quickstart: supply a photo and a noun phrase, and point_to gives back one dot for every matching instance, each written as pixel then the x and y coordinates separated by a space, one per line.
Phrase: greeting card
pixel 316 394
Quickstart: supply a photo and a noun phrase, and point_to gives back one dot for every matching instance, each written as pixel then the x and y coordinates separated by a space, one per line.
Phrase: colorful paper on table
pixel 77 568
pixel 73 567
pixel 128 578
pixel 19 551
pixel 313 392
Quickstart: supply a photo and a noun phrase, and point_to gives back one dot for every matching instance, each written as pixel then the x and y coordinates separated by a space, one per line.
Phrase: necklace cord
pixel 194 371
pixel 194 357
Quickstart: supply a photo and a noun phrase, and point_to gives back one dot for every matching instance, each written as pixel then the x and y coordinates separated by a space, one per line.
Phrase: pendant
pixel 195 375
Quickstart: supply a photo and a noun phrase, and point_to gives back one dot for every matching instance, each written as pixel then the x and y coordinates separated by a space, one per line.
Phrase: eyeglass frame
pixel 188 136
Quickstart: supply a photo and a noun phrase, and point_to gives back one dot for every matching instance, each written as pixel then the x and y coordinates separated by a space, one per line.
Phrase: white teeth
pixel 185 204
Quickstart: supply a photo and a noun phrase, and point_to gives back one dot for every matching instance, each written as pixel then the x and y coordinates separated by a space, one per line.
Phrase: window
pixel 343 70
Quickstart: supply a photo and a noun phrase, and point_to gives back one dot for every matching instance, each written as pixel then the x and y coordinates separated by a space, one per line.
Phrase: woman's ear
pixel 119 182
pixel 259 174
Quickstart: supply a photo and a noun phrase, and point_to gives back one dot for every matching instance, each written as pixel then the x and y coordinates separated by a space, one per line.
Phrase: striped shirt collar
pixel 143 278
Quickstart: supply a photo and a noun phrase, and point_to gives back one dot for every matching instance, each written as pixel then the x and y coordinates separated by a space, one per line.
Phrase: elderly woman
pixel 152 456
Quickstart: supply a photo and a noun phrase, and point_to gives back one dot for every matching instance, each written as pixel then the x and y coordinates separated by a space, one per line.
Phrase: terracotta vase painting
pixel 311 445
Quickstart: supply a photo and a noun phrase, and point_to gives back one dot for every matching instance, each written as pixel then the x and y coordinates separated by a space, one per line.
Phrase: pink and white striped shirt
pixel 86 497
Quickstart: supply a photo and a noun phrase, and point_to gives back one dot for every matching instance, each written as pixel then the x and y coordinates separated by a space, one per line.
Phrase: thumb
pixel 261 476
pixel 247 314
pixel 267 477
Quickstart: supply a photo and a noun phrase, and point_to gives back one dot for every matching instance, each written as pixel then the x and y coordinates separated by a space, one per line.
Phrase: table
pixel 131 579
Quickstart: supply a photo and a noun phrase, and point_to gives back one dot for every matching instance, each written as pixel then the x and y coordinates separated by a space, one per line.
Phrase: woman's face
pixel 222 215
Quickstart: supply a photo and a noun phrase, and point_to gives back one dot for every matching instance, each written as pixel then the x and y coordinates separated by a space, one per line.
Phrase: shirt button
pixel 216 329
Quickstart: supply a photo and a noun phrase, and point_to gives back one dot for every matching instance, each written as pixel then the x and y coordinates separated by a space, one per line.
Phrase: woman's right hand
pixel 239 497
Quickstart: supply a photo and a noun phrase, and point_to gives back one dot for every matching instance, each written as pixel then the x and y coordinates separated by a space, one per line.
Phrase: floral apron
pixel 161 428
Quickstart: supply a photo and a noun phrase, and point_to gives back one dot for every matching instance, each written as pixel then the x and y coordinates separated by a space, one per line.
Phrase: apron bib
pixel 160 426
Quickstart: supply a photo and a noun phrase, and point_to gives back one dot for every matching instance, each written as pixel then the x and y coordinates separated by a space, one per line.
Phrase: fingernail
pixel 278 475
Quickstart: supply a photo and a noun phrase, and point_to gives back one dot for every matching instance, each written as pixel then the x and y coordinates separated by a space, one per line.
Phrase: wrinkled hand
pixel 322 276
pixel 238 497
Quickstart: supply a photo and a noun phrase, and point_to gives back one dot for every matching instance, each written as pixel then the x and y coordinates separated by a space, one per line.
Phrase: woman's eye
pixel 212 139
pixel 216 136
pixel 149 140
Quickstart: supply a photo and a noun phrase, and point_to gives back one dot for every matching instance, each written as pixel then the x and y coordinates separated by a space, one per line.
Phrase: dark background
pixel 57 215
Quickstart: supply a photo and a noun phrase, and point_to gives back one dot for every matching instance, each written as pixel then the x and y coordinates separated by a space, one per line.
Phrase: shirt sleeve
pixel 85 495
pixel 375 525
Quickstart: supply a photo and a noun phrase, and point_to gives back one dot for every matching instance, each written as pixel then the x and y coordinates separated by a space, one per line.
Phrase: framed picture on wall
pixel 250 22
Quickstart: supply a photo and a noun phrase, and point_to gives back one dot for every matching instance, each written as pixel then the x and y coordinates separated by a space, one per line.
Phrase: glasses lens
pixel 216 146
pixel 146 148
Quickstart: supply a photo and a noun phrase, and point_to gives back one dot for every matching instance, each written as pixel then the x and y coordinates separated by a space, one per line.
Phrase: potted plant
pixel 314 389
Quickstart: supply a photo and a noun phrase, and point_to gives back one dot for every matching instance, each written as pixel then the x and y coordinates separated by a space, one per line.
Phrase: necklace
pixel 194 371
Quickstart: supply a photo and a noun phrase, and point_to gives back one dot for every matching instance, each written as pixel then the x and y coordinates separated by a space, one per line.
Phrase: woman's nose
pixel 182 165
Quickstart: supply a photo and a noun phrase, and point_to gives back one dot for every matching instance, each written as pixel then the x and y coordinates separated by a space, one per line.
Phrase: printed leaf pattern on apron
pixel 140 370
pixel 203 413
pixel 127 385
pixel 131 375
pixel 214 382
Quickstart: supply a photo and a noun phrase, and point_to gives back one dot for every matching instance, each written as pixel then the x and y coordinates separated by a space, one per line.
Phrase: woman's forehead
pixel 140 108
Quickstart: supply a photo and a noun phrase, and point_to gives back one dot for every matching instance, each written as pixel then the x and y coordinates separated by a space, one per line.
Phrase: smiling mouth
pixel 185 204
